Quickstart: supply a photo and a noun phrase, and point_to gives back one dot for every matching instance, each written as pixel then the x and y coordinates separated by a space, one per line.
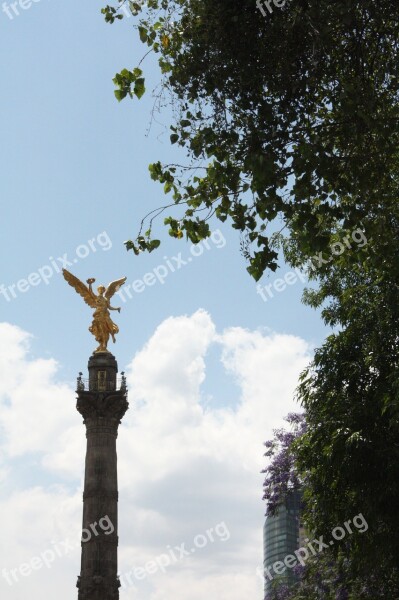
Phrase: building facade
pixel 282 535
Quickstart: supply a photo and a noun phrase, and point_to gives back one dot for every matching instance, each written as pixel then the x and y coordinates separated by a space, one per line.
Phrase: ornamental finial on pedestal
pixel 102 326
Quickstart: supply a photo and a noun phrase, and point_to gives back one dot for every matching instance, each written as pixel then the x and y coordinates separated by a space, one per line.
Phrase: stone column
pixel 102 407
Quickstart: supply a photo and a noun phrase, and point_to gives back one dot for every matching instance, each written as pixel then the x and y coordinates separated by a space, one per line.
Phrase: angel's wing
pixel 82 289
pixel 114 287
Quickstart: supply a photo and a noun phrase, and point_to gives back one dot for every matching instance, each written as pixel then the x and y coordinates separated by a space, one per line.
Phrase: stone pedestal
pixel 102 404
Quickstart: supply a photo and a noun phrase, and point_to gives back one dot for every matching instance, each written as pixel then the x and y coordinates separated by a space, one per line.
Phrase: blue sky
pixel 74 168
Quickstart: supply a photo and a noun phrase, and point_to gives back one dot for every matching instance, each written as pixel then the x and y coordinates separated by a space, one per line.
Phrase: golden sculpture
pixel 102 326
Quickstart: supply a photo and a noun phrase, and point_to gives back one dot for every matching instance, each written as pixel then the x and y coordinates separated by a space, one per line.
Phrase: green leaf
pixel 139 87
pixel 143 32
pixel 120 94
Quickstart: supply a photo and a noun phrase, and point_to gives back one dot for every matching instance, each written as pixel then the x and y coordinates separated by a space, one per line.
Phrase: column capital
pixel 102 409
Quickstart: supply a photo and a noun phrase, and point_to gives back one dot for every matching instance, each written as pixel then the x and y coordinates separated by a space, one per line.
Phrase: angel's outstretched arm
pixel 90 283
pixel 112 308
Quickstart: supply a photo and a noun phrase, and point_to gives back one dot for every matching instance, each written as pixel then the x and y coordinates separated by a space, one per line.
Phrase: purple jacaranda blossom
pixel 281 473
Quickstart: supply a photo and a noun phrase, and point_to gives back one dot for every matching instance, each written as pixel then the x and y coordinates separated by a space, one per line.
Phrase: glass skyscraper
pixel 282 535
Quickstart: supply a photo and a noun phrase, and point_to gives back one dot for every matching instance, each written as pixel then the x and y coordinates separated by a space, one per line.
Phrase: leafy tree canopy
pixel 350 451
pixel 290 117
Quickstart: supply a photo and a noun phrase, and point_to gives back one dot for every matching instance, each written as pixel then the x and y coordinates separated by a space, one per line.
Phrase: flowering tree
pixel 326 576
pixel 282 473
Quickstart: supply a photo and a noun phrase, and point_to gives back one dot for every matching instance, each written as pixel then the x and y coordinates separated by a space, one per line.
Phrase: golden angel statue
pixel 102 325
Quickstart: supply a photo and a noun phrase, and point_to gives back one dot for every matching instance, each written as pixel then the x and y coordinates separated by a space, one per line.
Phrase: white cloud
pixel 37 413
pixel 184 466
